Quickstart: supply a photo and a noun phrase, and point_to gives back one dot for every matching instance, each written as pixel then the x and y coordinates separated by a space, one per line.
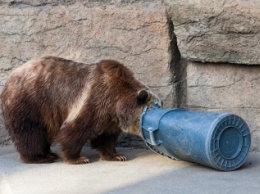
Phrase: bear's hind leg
pixel 32 143
pixel 105 144
pixel 38 158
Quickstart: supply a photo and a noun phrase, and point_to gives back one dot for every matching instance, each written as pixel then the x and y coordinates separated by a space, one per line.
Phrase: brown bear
pixel 55 99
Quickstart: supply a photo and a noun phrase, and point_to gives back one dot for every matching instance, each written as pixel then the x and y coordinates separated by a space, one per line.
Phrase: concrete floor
pixel 144 172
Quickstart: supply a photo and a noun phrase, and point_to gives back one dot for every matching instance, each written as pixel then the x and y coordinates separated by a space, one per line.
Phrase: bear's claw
pixel 80 160
pixel 121 158
pixel 114 157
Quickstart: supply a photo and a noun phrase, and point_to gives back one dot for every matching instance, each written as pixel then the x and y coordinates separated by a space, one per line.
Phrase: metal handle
pixel 152 137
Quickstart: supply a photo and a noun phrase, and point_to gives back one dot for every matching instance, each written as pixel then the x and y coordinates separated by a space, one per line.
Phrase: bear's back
pixel 51 78
pixel 48 86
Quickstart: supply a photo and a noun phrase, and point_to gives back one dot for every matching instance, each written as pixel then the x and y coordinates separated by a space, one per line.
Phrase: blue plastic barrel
pixel 218 140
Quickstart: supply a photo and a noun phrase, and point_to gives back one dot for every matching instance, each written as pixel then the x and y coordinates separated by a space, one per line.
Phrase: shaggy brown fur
pixel 57 99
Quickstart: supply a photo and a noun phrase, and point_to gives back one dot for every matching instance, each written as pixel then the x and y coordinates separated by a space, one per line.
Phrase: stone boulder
pixel 217 31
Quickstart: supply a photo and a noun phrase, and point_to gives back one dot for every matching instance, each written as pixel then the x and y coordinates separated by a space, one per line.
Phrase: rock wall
pixel 217 30
pixel 218 42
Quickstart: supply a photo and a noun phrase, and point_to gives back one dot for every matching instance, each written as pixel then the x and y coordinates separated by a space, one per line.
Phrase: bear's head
pixel 129 109
pixel 130 96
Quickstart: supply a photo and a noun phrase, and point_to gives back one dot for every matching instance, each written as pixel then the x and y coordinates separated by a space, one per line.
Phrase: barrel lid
pixel 230 143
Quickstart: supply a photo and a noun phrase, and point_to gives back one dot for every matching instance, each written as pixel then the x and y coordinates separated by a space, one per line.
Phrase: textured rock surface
pixel 135 34
pixel 89 34
pixel 217 31
pixel 232 88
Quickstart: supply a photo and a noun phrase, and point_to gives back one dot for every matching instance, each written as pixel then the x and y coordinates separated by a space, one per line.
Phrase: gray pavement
pixel 144 172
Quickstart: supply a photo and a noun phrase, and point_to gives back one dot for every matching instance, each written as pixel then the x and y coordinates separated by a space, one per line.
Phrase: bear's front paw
pixel 79 160
pixel 114 157
pixel 120 157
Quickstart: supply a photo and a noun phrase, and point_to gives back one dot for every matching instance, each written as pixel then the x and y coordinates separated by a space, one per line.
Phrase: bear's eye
pixel 142 96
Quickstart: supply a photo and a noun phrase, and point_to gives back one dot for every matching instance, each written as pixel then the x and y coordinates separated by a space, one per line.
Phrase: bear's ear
pixel 142 96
